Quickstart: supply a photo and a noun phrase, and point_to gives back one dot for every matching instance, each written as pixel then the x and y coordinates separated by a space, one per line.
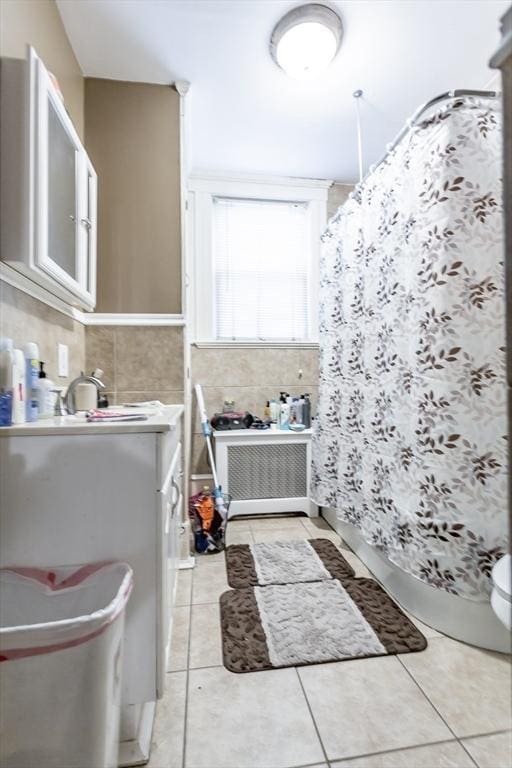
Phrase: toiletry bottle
pixel 45 394
pixel 86 396
pixel 101 398
pixel 306 411
pixel 274 410
pixel 31 352
pixel 6 381
pixel 266 412
pixel 19 411
pixel 284 421
pixel 295 412
pixel 301 409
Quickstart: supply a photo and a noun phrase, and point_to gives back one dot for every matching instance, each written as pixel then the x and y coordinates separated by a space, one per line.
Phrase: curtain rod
pixel 411 122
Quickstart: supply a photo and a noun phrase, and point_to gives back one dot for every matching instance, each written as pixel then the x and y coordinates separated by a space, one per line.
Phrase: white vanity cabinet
pixel 73 493
pixel 47 185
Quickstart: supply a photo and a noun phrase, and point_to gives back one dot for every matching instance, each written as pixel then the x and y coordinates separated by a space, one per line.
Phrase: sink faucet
pixel 69 398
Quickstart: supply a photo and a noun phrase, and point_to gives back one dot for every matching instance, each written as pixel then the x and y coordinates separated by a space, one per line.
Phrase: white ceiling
pixel 246 115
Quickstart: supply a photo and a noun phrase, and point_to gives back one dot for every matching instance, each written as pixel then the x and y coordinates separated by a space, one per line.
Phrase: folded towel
pixel 101 416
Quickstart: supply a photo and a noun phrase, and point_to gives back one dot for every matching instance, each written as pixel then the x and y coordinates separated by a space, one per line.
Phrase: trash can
pixel 61 638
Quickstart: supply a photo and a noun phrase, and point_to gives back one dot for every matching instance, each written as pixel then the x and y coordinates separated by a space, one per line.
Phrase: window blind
pixel 261 264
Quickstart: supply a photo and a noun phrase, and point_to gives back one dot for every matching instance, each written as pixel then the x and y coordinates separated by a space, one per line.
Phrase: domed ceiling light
pixel 306 40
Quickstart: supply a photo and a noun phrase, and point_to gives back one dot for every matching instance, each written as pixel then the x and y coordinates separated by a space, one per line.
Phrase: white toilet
pixel 501 596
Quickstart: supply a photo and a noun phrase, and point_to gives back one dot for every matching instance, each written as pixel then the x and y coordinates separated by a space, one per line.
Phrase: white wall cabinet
pixel 48 186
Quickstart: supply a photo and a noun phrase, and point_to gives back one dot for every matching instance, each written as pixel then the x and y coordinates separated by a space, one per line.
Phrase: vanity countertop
pixel 159 420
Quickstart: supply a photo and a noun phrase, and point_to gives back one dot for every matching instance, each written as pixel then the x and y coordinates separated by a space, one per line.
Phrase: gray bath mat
pixel 285 562
pixel 311 623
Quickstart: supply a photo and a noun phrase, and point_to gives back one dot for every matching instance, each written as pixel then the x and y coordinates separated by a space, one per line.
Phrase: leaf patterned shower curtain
pixel 410 437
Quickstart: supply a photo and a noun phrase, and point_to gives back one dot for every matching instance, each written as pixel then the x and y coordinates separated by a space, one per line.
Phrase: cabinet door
pixel 64 205
pixel 56 206
pixel 87 228
pixel 170 506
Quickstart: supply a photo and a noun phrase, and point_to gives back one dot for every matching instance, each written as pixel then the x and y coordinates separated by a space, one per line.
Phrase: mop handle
pixel 202 411
pixel 207 431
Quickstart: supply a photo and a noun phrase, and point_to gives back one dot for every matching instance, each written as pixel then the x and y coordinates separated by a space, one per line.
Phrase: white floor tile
pixel 184 589
pixel 214 558
pixel 169 728
pixel 317 524
pixel 290 533
pixel 209 583
pixel 178 657
pixel 205 636
pixel 268 523
pixel 468 686
pixel 494 751
pixel 369 705
pixel 447 755
pixel 258 720
pixel 237 536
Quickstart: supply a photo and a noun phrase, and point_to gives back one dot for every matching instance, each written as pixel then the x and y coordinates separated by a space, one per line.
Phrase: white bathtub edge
pixel 466 620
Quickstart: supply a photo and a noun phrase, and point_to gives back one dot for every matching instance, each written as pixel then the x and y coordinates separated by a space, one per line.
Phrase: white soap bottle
pixel 45 394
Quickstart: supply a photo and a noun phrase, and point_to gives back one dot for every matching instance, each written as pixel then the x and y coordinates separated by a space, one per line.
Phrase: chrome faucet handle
pixel 69 398
pixel 58 409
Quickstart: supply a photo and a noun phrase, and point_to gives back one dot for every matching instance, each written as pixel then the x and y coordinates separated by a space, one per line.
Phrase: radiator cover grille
pixel 267 471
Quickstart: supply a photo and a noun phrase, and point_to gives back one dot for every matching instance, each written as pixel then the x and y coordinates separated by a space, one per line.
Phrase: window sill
pixel 255 344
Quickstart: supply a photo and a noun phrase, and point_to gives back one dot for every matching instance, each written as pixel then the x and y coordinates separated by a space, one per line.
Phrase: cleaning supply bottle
pixel 306 411
pixel 19 395
pixel 284 420
pixel 45 394
pixel 31 352
pixel 6 381
pixel 301 409
pixel 295 411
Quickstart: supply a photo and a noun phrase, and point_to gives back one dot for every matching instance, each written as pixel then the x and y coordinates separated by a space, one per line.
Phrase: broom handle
pixel 206 431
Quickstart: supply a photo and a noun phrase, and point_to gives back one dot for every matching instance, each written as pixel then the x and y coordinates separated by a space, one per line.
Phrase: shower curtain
pixel 410 437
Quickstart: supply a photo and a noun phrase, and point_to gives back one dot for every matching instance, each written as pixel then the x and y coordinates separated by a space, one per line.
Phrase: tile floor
pixel 446 707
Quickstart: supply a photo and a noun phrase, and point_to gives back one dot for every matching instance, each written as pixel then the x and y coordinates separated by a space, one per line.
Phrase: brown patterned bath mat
pixel 287 625
pixel 285 562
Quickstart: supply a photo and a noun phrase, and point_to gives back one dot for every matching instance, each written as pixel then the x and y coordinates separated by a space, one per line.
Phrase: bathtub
pixel 466 620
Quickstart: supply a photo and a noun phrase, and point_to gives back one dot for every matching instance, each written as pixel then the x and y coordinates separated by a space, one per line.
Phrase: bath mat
pixel 285 625
pixel 285 562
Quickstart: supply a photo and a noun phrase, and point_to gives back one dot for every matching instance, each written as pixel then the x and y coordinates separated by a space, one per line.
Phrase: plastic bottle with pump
pixel 45 394
pixel 31 353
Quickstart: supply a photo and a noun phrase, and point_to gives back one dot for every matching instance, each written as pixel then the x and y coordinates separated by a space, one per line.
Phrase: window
pixel 261 264
pixel 252 266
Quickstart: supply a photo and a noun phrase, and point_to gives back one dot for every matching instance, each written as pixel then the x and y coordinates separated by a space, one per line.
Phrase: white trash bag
pixel 61 635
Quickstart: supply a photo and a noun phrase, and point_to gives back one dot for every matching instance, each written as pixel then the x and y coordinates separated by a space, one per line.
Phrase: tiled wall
pixel 250 377
pixel 139 362
pixel 24 319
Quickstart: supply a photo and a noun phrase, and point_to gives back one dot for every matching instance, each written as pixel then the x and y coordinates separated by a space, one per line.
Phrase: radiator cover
pixel 267 471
